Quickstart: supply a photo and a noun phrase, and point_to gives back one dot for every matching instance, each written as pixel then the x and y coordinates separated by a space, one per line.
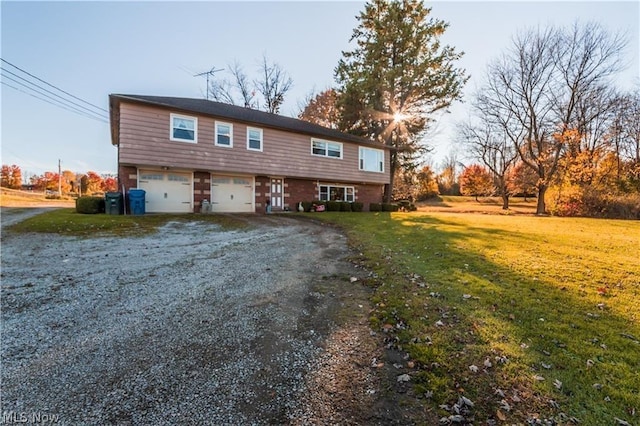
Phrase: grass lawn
pixel 528 317
pixel 67 221
pixel 25 199
pixel 488 205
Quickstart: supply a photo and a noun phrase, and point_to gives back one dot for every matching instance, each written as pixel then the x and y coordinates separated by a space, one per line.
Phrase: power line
pixel 55 104
pixel 49 91
pixel 55 87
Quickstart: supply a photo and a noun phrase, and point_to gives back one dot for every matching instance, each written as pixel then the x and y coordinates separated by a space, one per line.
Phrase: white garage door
pixel 232 194
pixel 166 192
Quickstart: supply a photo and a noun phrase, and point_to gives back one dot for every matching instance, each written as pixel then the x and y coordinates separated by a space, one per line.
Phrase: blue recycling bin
pixel 136 201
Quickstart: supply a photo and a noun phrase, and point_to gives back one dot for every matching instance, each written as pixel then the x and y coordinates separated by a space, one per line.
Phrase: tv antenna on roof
pixel 207 74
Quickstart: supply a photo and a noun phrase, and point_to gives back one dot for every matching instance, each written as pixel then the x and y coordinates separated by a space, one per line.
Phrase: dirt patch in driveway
pixel 191 325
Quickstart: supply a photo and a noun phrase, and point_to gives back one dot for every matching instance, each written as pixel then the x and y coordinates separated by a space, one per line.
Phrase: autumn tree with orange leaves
pixel 547 88
pixel 11 176
pixel 322 109
pixel 476 181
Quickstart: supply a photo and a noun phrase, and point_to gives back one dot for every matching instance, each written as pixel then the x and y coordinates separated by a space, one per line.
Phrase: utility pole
pixel 59 180
pixel 207 74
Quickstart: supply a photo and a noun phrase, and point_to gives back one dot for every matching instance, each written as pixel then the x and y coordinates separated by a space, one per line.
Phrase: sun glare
pixel 398 117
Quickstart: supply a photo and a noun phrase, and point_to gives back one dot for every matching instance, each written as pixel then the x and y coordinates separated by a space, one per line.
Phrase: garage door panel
pixel 231 194
pixel 166 192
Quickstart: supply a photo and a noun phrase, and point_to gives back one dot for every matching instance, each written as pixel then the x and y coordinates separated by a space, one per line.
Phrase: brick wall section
pixel 300 190
pixel 127 176
pixel 307 190
pixel 263 192
pixel 201 189
pixel 367 194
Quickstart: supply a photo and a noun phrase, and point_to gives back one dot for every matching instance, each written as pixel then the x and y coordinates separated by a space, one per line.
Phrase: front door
pixel 276 193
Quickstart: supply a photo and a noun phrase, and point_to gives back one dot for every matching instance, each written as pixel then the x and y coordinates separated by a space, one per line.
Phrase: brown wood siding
pixel 144 141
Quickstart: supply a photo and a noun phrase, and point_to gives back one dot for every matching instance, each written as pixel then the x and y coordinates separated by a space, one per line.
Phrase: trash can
pixel 113 203
pixel 136 201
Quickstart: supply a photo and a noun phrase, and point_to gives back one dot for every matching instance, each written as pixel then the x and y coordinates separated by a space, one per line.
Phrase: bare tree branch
pixel 273 85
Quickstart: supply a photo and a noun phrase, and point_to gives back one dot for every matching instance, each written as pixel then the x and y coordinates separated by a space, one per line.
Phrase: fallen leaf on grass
pixel 473 368
pixel 557 383
pixel 501 416
pixel 502 359
pixel 404 378
pixel 466 401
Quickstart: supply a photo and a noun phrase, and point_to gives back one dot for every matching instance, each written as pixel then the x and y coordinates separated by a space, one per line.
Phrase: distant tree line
pixel 547 121
pixel 70 182
pixel 549 118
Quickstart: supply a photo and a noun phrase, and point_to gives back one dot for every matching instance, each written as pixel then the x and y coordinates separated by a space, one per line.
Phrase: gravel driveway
pixel 191 325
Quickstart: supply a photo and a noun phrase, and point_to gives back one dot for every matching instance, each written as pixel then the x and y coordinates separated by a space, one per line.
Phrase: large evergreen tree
pixel 396 77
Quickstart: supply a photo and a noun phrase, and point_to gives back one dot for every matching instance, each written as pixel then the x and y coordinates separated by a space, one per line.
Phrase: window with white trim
pixel 336 193
pixel 326 148
pixel 371 160
pixel 254 139
pixel 183 128
pixel 224 134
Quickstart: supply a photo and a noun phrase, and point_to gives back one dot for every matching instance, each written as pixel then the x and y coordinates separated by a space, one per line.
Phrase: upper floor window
pixel 326 148
pixel 371 160
pixel 254 139
pixel 184 128
pixel 224 134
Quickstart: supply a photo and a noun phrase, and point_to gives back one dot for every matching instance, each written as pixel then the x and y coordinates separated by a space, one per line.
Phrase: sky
pixel 93 49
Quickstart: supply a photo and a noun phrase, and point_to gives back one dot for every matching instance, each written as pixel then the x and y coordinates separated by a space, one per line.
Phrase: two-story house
pixel 183 151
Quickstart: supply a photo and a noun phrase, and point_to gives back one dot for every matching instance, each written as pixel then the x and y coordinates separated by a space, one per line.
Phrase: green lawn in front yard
pixel 69 222
pixel 528 317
